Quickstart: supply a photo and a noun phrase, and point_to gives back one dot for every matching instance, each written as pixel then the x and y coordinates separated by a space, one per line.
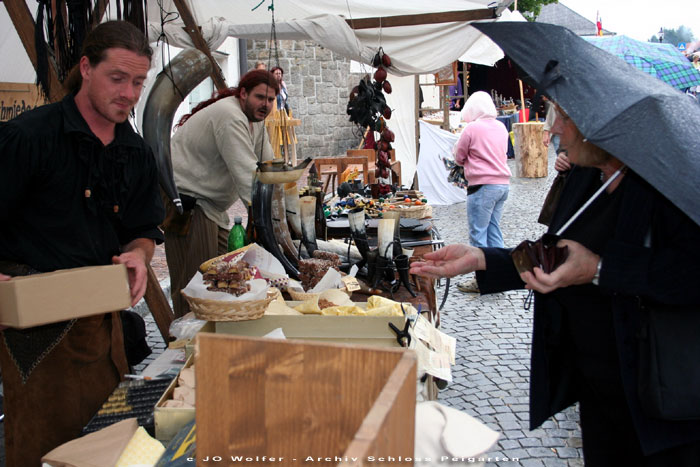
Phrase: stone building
pixel 318 82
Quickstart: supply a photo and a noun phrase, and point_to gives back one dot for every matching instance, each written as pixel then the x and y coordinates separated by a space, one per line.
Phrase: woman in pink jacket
pixel 482 150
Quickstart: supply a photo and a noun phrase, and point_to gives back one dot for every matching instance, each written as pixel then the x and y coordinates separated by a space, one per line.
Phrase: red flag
pixel 598 24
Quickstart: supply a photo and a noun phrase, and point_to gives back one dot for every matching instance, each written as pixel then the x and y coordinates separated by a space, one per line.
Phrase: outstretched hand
pixel 579 268
pixel 450 261
pixel 136 268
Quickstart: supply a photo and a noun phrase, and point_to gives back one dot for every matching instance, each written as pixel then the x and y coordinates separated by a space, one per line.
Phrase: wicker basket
pixel 218 310
pixel 304 296
pixel 413 211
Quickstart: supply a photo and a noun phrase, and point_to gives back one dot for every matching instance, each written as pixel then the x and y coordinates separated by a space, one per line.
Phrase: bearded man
pixel 214 152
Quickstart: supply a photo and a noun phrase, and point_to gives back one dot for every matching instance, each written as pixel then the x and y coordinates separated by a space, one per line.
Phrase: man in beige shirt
pixel 214 152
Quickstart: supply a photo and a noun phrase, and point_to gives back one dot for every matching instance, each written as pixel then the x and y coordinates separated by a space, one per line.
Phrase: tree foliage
pixel 530 9
pixel 673 36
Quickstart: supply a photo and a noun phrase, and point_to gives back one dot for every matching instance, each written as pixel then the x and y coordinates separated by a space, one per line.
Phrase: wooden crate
pixel 295 400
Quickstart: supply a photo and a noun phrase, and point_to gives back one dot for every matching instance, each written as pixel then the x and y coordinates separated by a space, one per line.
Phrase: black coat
pixel 667 272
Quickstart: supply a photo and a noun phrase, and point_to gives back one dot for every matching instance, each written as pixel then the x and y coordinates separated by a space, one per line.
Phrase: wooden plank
pixel 23 21
pixel 423 18
pixel 386 431
pixel 17 98
pixel 98 12
pixel 158 305
pixel 195 34
pixel 290 399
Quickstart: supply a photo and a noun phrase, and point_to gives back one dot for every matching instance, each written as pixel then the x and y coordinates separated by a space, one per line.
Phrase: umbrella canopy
pixel 651 127
pixel 661 60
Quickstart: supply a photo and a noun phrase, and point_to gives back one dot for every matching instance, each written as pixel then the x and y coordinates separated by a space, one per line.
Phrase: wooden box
pixel 169 420
pixel 296 401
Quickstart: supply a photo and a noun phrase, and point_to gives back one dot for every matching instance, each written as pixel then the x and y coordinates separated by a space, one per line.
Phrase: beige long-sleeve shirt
pixel 214 157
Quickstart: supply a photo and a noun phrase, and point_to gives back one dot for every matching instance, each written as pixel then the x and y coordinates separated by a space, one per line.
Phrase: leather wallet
pixel 543 253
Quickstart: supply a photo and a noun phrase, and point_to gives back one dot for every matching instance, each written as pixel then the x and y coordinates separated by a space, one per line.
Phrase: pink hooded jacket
pixel 482 148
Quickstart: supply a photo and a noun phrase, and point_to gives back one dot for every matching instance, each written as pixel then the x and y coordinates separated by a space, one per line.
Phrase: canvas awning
pixel 416 48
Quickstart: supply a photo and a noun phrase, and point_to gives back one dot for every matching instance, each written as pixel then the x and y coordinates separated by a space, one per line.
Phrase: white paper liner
pixel 198 289
pixel 330 280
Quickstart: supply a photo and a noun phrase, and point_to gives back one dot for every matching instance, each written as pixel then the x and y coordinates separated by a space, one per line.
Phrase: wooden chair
pixel 331 168
pixel 358 163
pixel 370 154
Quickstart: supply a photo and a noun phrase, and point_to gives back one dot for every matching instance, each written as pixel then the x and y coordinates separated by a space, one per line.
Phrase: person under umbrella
pixel 632 238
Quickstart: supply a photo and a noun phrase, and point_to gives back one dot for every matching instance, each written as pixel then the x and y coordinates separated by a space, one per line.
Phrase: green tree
pixel 674 36
pixel 530 9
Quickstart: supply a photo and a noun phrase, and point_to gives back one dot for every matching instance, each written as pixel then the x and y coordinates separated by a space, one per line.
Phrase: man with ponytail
pixel 78 187
pixel 215 150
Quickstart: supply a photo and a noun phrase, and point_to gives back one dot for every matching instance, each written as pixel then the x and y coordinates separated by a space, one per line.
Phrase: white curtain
pixel 432 174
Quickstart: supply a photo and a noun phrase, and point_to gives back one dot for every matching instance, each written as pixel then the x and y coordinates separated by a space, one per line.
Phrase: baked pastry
pixel 229 276
pixel 312 270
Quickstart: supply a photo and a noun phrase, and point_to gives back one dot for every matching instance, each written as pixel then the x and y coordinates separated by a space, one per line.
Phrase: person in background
pixel 547 137
pixel 456 103
pixel 260 65
pixel 78 187
pixel 215 150
pixel 282 96
pixel 482 150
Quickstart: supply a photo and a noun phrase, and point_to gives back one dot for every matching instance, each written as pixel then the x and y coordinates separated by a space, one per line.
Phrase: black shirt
pixel 49 161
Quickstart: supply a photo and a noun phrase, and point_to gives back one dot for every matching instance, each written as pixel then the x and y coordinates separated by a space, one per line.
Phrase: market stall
pixel 363 298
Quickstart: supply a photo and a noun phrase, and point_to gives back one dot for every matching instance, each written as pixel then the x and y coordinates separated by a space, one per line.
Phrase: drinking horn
pixel 356 219
pixel 170 88
pixel 307 205
pixel 279 224
pixel 264 229
pixel 291 202
pixel 396 216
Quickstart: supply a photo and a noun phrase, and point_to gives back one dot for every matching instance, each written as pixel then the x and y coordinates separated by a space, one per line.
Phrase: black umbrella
pixel 647 124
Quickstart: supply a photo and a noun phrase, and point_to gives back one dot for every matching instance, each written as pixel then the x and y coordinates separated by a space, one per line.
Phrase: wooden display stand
pixel 295 400
pixel 530 152
pixel 283 138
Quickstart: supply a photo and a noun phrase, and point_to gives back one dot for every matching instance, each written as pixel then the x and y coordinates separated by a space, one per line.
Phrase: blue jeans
pixel 484 210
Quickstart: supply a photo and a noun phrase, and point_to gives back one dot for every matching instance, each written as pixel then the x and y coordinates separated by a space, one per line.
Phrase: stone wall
pixel 318 82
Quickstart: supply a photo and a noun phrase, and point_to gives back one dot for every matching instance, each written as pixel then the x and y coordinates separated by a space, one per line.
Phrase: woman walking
pixel 482 150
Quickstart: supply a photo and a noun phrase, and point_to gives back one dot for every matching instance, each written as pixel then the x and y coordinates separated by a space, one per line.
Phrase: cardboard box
pixel 169 420
pixel 358 330
pixel 28 301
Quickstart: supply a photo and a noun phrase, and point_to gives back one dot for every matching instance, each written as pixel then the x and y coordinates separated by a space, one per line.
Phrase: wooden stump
pixel 530 152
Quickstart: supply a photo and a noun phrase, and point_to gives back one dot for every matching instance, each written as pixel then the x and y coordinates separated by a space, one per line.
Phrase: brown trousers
pixel 64 391
pixel 184 253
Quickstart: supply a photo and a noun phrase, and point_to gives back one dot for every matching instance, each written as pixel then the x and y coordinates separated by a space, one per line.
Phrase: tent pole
pixel 192 29
pixel 23 22
pixel 416 100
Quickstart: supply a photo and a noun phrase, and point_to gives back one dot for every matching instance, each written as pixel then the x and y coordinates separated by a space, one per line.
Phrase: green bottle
pixel 236 237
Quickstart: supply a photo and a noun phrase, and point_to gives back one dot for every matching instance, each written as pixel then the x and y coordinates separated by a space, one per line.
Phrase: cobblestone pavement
pixel 491 375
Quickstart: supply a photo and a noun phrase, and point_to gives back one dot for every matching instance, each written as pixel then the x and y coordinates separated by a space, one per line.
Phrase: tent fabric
pixel 413 49
pixel 432 174
pixel 403 124
pixel 18 68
